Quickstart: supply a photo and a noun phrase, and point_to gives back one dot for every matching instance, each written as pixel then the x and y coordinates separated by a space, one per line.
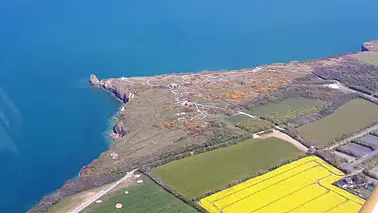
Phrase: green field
pixel 196 175
pixel 349 118
pixel 282 106
pixel 255 125
pixel 146 197
pixel 284 111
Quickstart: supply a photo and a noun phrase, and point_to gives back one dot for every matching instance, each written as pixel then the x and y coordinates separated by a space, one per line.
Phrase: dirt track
pixel 283 136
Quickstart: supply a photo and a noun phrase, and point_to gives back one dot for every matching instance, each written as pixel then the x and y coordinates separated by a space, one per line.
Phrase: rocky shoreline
pixel 119 129
pixel 89 177
pixel 371 46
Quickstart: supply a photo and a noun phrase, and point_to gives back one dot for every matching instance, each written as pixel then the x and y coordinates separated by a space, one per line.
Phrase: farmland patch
pixel 196 175
pixel 305 185
pixel 144 197
pixel 281 106
pixel 285 110
pixel 254 125
pixel 349 118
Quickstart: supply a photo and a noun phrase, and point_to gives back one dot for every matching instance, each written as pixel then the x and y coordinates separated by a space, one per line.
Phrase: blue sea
pixel 52 123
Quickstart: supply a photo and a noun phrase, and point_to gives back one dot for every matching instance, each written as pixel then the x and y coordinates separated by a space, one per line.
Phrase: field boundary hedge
pixel 261 172
pixel 197 150
pixel 173 192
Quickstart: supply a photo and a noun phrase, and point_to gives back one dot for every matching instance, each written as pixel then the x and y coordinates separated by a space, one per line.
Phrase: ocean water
pixel 52 123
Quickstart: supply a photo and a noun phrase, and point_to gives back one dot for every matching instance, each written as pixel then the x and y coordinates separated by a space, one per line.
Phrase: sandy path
pixel 285 137
pixel 81 206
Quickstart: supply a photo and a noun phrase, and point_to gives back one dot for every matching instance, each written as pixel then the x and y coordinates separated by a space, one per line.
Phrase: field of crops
pixel 349 118
pixel 255 125
pixel 196 175
pixel 282 106
pixel 287 109
pixel 302 186
pixel 146 197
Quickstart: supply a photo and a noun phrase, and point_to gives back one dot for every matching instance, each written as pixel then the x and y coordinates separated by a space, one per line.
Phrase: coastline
pixel 118 129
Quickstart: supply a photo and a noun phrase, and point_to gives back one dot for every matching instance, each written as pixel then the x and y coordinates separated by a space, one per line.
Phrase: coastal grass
pixel 62 205
pixel 349 118
pixel 67 204
pixel 367 57
pixel 146 197
pixel 198 174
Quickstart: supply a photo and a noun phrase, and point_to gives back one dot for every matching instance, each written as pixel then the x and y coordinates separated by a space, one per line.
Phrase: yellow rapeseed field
pixel 302 186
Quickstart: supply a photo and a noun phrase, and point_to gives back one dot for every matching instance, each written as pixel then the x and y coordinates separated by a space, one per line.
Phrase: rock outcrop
pixel 119 130
pixel 371 46
pixel 93 80
pixel 116 91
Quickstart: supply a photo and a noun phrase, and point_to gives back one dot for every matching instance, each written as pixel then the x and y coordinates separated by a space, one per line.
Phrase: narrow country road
pixel 102 193
pixel 357 135
pixel 243 113
pixel 344 88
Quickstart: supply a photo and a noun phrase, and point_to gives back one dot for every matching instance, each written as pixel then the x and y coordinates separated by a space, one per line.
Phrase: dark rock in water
pixel 371 46
pixel 94 80
pixel 119 129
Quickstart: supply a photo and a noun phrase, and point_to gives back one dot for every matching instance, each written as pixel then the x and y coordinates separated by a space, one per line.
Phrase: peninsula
pixel 325 107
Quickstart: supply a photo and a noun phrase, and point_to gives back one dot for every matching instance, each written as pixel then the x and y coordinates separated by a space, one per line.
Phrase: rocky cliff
pixel 93 80
pixel 371 46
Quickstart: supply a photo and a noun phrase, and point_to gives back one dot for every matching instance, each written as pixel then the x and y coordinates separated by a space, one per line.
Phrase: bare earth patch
pixel 283 136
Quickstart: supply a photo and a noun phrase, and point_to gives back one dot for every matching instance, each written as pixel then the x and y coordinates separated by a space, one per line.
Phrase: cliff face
pixel 111 87
pixel 371 46
pixel 93 80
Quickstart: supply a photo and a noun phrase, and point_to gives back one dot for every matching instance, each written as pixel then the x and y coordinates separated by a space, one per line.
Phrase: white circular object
pixel 118 205
pixel 139 181
pixel 137 176
pixel 126 192
pixel 98 201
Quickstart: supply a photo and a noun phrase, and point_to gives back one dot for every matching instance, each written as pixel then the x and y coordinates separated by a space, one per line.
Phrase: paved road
pixel 102 193
pixel 355 136
pixel 243 113
pixel 344 88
